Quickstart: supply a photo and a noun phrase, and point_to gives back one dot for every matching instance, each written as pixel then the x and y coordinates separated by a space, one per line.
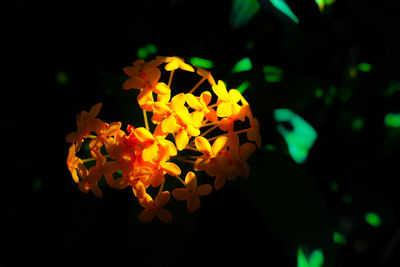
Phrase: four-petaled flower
pixel 155 208
pixel 191 192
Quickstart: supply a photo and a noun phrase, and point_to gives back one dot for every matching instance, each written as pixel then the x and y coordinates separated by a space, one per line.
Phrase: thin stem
pixel 180 179
pixel 213 105
pixel 209 130
pixel 197 85
pixel 237 132
pixel 162 185
pixel 171 74
pixel 92 159
pixel 91 136
pixel 191 148
pixel 146 122
pixel 210 79
pixel 188 161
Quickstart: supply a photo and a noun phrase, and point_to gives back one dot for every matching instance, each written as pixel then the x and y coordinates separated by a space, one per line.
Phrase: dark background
pixel 261 221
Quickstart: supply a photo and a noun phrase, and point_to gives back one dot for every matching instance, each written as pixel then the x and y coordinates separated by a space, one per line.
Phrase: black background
pixel 260 221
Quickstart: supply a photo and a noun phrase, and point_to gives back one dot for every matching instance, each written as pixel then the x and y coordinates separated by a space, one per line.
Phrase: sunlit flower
pixel 73 162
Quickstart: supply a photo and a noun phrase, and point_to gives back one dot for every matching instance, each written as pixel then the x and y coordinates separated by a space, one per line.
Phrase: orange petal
pixel 180 194
pixel 150 73
pixel 211 115
pixel 193 203
pixel 134 82
pixel 146 215
pixel 171 168
pixel 169 125
pixel 145 99
pixel 226 124
pixel 162 89
pixel 156 177
pixel 219 182
pixel 205 98
pixel 203 190
pixel 113 128
pixel 94 110
pixel 131 71
pixel 203 145
pixel 139 190
pixel 162 199
pixel 143 135
pixel 164 215
pixel 96 191
pixel 191 181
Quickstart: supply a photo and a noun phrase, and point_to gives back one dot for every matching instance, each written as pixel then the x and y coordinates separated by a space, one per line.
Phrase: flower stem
pixel 162 185
pixel 197 85
pixel 171 74
pixel 146 122
pixel 180 179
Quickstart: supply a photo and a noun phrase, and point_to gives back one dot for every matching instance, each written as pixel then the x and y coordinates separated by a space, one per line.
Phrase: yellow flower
pixel 174 63
pixel 192 192
pixel 228 101
pixel 155 208
pixel 209 152
pixel 200 105
pixel 141 74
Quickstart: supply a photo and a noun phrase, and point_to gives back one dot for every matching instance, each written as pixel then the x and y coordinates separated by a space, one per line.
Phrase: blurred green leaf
pixel 285 9
pixel 242 11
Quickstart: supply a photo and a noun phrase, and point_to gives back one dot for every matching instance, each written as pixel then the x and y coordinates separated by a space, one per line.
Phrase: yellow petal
pixel 162 199
pixel 134 82
pixel 161 108
pixel 219 144
pixel 203 145
pixel 180 194
pixel 171 168
pixel 146 215
pixel 164 215
pixel 186 67
pixel 191 181
pixel 235 95
pixel 169 125
pixel 150 152
pixel 192 130
pixel 178 101
pixel 173 65
pixel 224 109
pixel 193 203
pixel 193 102
pixel 220 91
pixel 203 190
pixel 181 140
pixel 197 118
pixel 143 135
pixel 184 116
pixel 162 89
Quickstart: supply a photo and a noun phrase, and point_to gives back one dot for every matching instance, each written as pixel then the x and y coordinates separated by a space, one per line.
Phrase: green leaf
pixel 285 9
pixel 242 12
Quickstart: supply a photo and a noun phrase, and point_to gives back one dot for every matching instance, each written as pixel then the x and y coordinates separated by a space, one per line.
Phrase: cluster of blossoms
pixel 140 158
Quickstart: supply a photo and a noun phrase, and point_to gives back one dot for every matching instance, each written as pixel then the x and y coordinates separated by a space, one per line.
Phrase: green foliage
pixel 242 65
pixel 242 12
pixel 285 9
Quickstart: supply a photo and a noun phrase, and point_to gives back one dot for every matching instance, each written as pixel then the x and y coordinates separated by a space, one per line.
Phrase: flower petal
pixel 180 194
pixel 219 144
pixel 203 190
pixel 145 99
pixel 146 215
pixel 143 135
pixel 203 145
pixel 169 125
pixel 150 152
pixel 224 109
pixel 205 98
pixel 193 102
pixel 134 82
pixel 181 140
pixel 246 150
pixel 220 91
pixel 219 182
pixel 171 168
pixel 193 203
pixel 156 177
pixel 162 89
pixel 139 190
pixel 162 198
pixel 164 215
pixel 191 181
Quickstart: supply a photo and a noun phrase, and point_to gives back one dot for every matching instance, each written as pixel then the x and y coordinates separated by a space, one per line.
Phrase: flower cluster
pixel 141 158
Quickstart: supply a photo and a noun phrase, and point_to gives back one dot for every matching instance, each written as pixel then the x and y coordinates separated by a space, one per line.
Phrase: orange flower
pixel 239 155
pixel 141 74
pixel 89 180
pixel 174 63
pixel 73 163
pixel 104 133
pixel 85 123
pixel 209 152
pixel 200 105
pixel 154 208
pixel 192 192
pixel 254 133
